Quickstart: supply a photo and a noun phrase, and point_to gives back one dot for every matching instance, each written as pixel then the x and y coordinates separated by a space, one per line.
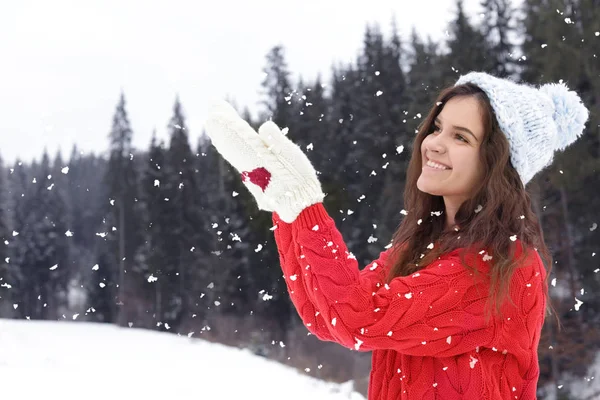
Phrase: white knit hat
pixel 536 121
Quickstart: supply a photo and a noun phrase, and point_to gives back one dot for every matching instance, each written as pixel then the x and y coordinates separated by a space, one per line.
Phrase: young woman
pixel 454 307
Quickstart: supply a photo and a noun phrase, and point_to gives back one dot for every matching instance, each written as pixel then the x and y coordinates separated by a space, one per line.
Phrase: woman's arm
pixel 299 294
pixel 438 311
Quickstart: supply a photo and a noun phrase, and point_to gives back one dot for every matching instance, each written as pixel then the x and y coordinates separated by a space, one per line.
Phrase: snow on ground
pixel 75 360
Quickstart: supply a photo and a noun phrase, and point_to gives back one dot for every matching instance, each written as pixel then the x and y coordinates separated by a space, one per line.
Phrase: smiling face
pixel 453 146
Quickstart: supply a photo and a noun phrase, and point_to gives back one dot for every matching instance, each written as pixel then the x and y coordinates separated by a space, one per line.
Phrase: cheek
pixel 475 168
pixel 423 143
pixel 468 164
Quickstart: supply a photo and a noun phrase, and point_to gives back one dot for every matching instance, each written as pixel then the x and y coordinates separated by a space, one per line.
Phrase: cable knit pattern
pixel 426 331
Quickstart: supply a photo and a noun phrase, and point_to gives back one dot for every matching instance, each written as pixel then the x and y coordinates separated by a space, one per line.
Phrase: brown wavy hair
pixel 502 196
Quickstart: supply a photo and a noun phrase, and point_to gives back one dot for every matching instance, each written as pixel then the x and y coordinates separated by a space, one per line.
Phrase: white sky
pixel 64 62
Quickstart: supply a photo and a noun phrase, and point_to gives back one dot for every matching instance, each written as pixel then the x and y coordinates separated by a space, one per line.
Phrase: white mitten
pixel 275 170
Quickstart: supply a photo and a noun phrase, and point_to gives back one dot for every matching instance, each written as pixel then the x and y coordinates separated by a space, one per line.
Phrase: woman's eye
pixel 436 128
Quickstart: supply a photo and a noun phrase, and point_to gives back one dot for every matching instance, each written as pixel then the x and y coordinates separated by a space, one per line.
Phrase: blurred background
pixel 132 255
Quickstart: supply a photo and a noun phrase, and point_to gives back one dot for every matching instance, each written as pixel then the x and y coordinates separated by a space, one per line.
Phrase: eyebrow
pixel 459 128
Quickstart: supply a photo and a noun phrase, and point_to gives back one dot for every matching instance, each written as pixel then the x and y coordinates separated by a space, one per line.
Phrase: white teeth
pixel 435 165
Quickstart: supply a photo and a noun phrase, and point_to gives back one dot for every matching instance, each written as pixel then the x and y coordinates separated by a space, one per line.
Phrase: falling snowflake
pixel 267 297
pixel 473 362
pixel 358 343
pixel 578 304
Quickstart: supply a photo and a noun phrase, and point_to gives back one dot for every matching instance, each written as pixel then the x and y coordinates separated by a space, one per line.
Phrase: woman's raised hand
pixel 275 170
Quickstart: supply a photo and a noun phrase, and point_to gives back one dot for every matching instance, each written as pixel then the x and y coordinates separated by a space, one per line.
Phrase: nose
pixel 436 143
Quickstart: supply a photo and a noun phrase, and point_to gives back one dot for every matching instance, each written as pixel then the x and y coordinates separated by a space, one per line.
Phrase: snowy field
pixel 78 360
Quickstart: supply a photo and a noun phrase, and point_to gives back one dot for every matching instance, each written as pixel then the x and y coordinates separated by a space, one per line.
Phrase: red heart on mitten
pixel 259 176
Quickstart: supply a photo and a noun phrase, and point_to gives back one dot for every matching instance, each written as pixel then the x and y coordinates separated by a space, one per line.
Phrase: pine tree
pixel 425 81
pixel 385 213
pixel 5 253
pixel 555 47
pixel 377 97
pixel 211 203
pixel 342 124
pixel 122 215
pixel 53 239
pixel 497 27
pixel 277 89
pixel 468 49
pixel 155 252
pixel 40 272
pixel 90 270
pixel 278 99
pixel 19 199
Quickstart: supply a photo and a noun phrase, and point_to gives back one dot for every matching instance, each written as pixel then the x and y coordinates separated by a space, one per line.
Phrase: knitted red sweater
pixel 426 331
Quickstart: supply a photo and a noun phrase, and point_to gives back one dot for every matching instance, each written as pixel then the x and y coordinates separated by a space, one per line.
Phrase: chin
pixel 425 189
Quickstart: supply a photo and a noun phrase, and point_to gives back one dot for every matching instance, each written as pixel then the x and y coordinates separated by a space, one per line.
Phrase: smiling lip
pixel 435 169
pixel 428 159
